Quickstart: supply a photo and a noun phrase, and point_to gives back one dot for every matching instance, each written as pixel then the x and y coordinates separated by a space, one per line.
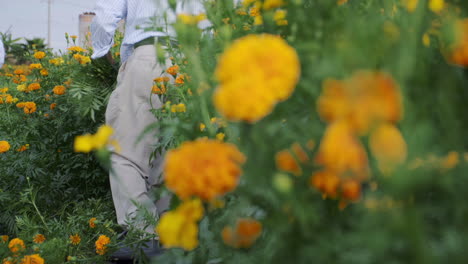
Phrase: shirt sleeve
pixel 104 24
pixel 2 54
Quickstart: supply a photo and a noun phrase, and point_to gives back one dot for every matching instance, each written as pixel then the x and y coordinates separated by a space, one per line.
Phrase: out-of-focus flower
pixel 32 259
pixel 387 146
pixel 280 18
pixel 29 107
pixel 159 89
pixel 16 245
pixel 436 5
pixel 212 168
pixel 244 235
pixel 75 239
pixel 173 70
pixel 178 108
pixel 189 19
pixel 457 53
pixel 247 65
pixel 44 72
pixel 88 142
pixel 179 228
pixel 4 146
pixel 59 90
pixel 39 55
pixel 76 49
pixel 92 223
pixel 34 66
pixel 271 4
pixel 57 61
pixel 23 148
pixel 4 238
pixel 34 86
pixel 286 162
pixel 101 244
pixel 39 239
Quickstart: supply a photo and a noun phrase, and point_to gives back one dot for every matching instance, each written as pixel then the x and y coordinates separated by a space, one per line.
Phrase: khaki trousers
pixel 128 113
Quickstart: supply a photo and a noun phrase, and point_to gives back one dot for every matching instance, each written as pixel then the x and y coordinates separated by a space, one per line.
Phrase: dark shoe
pixel 150 249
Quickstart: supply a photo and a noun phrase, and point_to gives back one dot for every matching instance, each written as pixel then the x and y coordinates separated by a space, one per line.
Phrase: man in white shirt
pixel 128 111
pixel 2 54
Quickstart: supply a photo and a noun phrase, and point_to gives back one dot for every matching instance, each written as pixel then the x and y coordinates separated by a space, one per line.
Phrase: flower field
pixel 294 131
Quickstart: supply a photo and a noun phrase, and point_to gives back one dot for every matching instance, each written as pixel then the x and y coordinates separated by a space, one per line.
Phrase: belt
pixel 165 41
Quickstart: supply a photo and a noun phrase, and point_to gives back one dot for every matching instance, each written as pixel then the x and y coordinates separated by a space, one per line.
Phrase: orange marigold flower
pixel 246 232
pixel 159 89
pixel 33 66
pixel 4 146
pixel 173 70
pixel 18 71
pixel 34 86
pixel 20 104
pixel 29 107
pixel 23 148
pixel 39 238
pixel 101 244
pixel 4 238
pixel 44 72
pixel 75 239
pixel 32 259
pixel 92 223
pixel 363 100
pixel 162 79
pixel 39 55
pixel 212 169
pixel 286 162
pixel 341 152
pixel 180 79
pixel 59 90
pixel 326 182
pixel 351 190
pixel 16 245
pixel 299 152
pixel 52 106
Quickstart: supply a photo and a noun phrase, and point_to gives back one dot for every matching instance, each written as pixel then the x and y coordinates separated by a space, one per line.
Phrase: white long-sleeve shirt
pixel 2 54
pixel 138 14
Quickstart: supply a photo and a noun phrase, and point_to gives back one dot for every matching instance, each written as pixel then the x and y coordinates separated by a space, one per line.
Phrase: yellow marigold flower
pixel 21 88
pixel 59 90
pixel 4 238
pixel 75 239
pixel 173 70
pixel 34 87
pixel 212 169
pixel 101 244
pixel 426 40
pixel 341 152
pixel 74 37
pixel 4 146
pixel 87 143
pixel 263 76
pixel 178 228
pixel 245 233
pixel 254 11
pixel 410 5
pixel 29 107
pixel 363 100
pixel 280 17
pixel 57 61
pixel 271 4
pixel 189 19
pixel 44 72
pixel 286 162
pixel 32 259
pixel 436 5
pixel 76 49
pixel 220 136
pixel 35 66
pixel 202 127
pixel 16 245
pixel 179 108
pixel 82 59
pixel 39 55
pixel 39 238
pixel 388 146
pixel 4 90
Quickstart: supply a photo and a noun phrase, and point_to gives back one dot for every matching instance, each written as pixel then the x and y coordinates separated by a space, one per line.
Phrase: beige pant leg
pixel 128 112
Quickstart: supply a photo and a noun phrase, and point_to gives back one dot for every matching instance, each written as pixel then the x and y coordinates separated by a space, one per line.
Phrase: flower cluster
pixel 212 168
pixel 248 66
pixel 367 102
pixel 178 228
pixel 245 233
pixel 101 244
